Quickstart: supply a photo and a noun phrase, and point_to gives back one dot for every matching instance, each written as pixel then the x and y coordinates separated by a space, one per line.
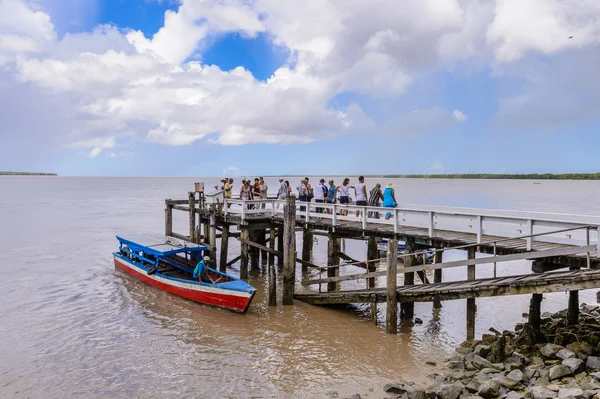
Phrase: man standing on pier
pixel 320 191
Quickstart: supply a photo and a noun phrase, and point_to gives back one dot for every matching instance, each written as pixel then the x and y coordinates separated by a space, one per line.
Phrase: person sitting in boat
pixel 200 270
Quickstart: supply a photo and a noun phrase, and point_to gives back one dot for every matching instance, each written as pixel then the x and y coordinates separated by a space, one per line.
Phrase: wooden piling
pixel 280 246
pixel 253 251
pixel 391 315
pixel 224 248
pixel 264 255
pixel 535 311
pixel 169 220
pixel 408 308
pixel 471 301
pixel 289 250
pixel 333 259
pixel 244 256
pixel 272 283
pixel 372 254
pixel 213 235
pixel 573 309
pixel 437 277
pixel 307 247
pixel 192 215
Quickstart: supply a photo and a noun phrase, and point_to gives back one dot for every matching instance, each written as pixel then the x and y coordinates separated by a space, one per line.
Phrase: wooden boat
pixel 168 264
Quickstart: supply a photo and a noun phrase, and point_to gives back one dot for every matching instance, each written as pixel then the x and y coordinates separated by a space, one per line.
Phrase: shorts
pixel 344 199
pixel 361 203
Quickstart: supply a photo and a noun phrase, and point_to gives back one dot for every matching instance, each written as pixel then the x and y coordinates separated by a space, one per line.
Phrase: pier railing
pixel 534 226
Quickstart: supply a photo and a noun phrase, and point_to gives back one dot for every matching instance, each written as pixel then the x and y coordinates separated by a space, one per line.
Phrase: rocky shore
pixel 561 361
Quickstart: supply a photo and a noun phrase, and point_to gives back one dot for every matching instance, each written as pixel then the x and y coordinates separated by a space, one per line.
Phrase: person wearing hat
pixel 200 270
pixel 389 199
pixel 320 192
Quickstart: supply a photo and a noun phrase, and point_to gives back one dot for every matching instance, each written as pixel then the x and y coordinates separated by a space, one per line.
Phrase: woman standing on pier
pixel 389 199
pixel 344 190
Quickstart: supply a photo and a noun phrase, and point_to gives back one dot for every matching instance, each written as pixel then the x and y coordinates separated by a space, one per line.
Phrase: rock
pixel 418 321
pixel 595 376
pixel 589 394
pixel 581 347
pixel 462 350
pixel 355 396
pixel 431 363
pixel 549 350
pixel 456 362
pixel 542 393
pixel 544 376
pixel 394 388
pixel 473 386
pixel 593 362
pixel 512 384
pixel 559 371
pixel 565 354
pixel 449 391
pixel 546 315
pixel 570 393
pixel 482 363
pixel 488 370
pixel 576 365
pixel 331 394
pixel 514 395
pixel 416 394
pixel 489 389
pixel 517 358
pixel 515 375
pixel 482 350
pixel 497 350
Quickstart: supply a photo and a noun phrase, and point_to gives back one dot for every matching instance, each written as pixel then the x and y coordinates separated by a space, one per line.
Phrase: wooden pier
pixel 267 229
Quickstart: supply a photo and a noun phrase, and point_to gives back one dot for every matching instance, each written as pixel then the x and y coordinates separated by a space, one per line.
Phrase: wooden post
pixel 391 315
pixel 169 220
pixel 206 233
pixel 535 311
pixel 437 277
pixel 333 259
pixel 262 235
pixel 280 246
pixel 254 252
pixel 192 214
pixel 307 247
pixel 244 256
pixel 289 250
pixel 213 235
pixel 372 254
pixel 471 301
pixel 224 248
pixel 408 308
pixel 272 278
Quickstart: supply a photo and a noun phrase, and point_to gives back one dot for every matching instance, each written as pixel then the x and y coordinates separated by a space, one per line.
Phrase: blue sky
pixel 169 88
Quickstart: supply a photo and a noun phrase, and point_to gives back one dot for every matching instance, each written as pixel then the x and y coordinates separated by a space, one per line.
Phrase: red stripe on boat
pixel 235 303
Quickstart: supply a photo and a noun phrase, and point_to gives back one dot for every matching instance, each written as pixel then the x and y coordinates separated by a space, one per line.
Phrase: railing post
pixel 192 215
pixel 273 208
pixel 395 221
pixel 471 301
pixel 364 218
pixel 479 229
pixel 225 206
pixel 587 242
pixel 307 211
pixel 213 234
pixel 391 315
pixel 334 218
pixel 289 250
pixel 243 210
pixel 529 232
pixel 169 220
pixel 430 224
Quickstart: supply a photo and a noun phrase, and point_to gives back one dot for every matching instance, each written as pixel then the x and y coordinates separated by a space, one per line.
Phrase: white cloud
pixel 99 87
pixel 437 166
pixel 231 171
pixel 459 116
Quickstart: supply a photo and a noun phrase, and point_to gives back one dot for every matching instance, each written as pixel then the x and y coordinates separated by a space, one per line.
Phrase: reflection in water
pixel 73 326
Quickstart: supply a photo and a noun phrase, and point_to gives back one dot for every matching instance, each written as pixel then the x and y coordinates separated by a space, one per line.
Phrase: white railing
pixel 481 222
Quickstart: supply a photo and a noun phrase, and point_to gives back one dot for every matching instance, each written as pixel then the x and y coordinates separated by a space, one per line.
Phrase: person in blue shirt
pixel 200 270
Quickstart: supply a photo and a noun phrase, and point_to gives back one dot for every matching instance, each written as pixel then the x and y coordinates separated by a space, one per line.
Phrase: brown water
pixel 71 326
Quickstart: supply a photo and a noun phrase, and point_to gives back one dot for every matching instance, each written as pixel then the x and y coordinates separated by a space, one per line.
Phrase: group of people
pixel 321 193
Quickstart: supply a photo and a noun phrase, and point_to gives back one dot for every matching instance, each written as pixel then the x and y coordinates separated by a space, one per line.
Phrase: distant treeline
pixel 533 176
pixel 27 174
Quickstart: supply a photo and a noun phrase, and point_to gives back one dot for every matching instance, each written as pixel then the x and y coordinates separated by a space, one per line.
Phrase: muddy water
pixel 71 326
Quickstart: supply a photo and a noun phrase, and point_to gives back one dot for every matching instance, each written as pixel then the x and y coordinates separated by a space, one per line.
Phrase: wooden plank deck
pixel 514 285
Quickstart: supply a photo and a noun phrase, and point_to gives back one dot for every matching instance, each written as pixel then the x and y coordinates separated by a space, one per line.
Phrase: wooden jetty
pixel 267 229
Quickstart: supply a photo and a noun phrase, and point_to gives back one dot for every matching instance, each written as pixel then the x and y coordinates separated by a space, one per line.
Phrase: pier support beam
pixel 372 254
pixel 307 247
pixel 254 252
pixel 437 277
pixel 573 308
pixel 224 248
pixel 280 246
pixel 391 314
pixel 169 220
pixel 535 311
pixel 333 259
pixel 244 256
pixel 408 308
pixel 272 283
pixel 471 308
pixel 289 250
pixel 192 215
pixel 263 241
pixel 213 235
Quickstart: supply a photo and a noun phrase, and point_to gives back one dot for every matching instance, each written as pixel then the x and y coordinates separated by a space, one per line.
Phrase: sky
pixel 315 87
